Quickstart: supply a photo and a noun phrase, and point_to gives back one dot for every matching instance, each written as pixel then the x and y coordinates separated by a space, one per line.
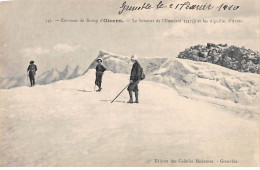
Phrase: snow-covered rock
pixel 122 64
pixel 195 80
pixel 232 57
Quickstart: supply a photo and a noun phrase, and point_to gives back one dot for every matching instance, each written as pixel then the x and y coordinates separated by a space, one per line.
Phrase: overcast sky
pixel 24 34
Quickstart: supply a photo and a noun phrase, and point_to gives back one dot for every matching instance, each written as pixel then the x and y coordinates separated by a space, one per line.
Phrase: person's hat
pixel 100 59
pixel 31 62
pixel 134 57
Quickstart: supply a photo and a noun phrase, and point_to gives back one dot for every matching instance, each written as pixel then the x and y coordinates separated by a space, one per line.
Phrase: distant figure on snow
pixel 32 68
pixel 99 73
pixel 135 78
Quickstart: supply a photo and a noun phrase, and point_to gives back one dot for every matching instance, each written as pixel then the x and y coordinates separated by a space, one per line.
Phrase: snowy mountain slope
pixel 122 64
pixel 66 73
pixel 12 82
pixel 196 80
pixel 75 73
pixel 47 77
pixel 78 127
pixel 203 81
pixel 200 81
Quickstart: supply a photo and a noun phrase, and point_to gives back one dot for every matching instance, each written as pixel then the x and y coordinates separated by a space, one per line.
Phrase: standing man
pixel 32 68
pixel 135 77
pixel 99 74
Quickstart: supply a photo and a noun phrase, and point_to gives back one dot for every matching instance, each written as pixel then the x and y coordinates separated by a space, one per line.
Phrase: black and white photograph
pixel 129 83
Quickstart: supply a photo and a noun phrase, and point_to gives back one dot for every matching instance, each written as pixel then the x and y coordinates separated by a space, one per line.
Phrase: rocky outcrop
pixel 232 57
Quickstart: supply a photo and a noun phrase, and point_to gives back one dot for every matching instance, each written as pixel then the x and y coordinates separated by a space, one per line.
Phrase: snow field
pixel 68 124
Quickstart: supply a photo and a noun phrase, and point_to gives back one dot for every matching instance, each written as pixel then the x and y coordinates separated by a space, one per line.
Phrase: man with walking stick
pixel 137 74
pixel 135 78
pixel 32 68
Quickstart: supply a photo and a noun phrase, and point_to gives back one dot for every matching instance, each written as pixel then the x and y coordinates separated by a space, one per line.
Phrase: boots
pixel 99 89
pixel 131 97
pixel 136 97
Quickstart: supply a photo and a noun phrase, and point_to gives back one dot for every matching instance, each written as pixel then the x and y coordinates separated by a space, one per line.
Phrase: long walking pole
pixel 120 93
pixel 34 79
pixel 27 79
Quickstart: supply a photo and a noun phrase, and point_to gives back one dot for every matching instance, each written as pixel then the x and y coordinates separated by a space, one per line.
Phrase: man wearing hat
pixel 135 77
pixel 32 68
pixel 99 74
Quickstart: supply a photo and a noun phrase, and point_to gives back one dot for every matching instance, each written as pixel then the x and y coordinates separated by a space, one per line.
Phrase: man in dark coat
pixel 99 74
pixel 135 78
pixel 32 68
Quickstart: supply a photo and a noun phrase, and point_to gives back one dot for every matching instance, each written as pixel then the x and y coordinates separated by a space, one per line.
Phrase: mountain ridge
pixel 46 77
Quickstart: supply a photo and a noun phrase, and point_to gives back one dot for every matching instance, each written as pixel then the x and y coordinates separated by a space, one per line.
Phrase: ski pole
pixel 35 78
pixel 27 79
pixel 120 93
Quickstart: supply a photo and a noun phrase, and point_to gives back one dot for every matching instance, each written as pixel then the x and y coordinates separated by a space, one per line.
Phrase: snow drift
pixel 201 81
pixel 187 110
pixel 196 80
pixel 75 126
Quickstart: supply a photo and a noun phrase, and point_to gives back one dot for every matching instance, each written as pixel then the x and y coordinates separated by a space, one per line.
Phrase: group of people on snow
pixel 135 76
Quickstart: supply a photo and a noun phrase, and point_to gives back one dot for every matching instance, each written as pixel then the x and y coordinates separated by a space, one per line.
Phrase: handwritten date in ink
pixel 178 6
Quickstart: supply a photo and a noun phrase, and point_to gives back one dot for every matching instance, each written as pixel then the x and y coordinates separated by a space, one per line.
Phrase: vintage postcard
pixel 129 83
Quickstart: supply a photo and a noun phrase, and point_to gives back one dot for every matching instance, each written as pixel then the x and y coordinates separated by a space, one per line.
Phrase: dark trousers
pixel 32 80
pixel 133 86
pixel 98 80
